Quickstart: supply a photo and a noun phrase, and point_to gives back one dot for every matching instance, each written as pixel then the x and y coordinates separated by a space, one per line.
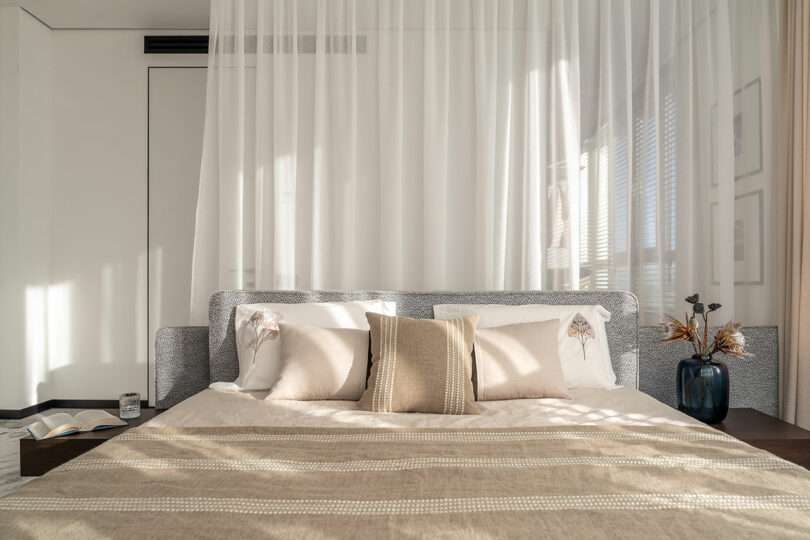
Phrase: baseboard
pixel 16 414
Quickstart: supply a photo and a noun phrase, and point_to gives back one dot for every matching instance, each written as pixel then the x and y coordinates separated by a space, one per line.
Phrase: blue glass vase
pixel 703 389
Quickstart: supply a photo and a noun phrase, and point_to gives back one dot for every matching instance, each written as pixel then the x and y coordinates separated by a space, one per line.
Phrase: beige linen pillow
pixel 582 340
pixel 321 363
pixel 420 365
pixel 519 361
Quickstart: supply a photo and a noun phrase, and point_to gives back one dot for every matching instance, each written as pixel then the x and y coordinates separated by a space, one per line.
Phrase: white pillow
pixel 583 348
pixel 321 363
pixel 263 373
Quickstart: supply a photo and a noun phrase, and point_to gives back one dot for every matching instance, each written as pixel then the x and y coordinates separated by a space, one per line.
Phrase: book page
pixel 57 420
pixel 53 425
pixel 98 417
pixel 39 430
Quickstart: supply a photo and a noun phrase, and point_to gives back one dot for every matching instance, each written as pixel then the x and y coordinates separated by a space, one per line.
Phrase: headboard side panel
pixel 182 364
pixel 622 330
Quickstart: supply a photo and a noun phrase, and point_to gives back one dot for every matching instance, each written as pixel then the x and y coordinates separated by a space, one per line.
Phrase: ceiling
pixel 118 14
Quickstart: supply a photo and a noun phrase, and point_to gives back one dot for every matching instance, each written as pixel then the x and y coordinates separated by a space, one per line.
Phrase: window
pixel 628 209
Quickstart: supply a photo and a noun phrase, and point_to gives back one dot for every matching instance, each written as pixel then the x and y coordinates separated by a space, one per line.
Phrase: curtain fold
pixel 483 144
pixel 793 175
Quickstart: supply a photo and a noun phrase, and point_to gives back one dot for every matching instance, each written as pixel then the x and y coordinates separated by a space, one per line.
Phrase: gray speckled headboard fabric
pixel 176 347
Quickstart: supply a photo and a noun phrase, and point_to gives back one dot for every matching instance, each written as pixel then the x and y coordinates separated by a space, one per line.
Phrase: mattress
pixel 587 406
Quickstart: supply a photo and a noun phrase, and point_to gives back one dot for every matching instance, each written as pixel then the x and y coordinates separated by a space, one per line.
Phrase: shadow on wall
pixel 754 381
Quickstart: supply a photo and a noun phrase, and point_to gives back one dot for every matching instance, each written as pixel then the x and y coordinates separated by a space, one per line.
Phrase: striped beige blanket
pixel 508 483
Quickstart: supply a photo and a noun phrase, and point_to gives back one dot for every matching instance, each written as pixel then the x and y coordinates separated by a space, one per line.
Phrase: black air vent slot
pixel 175 44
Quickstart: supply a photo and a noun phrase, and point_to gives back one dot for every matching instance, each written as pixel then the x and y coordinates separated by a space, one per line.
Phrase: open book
pixel 59 424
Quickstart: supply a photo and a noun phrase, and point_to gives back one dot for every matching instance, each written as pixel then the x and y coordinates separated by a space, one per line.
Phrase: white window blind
pixel 616 250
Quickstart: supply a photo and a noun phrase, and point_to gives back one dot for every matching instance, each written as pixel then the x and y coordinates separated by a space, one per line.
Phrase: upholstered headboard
pixel 179 369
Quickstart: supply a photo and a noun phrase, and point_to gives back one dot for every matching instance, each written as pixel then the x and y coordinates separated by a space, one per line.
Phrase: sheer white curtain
pixel 457 144
pixel 676 187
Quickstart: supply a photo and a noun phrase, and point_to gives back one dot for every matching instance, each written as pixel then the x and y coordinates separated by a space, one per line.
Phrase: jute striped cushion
pixel 420 365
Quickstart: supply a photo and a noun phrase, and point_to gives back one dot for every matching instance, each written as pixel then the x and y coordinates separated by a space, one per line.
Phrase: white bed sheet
pixel 619 406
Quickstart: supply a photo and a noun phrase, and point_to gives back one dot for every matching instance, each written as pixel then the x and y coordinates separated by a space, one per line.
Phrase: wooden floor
pixel 11 431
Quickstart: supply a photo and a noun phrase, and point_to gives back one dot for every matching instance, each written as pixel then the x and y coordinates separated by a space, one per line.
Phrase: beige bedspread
pixel 588 406
pixel 558 481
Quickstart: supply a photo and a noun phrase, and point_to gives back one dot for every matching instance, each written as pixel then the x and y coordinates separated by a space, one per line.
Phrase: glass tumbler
pixel 129 405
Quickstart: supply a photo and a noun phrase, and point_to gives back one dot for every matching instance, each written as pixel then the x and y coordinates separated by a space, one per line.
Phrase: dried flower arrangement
pixel 265 326
pixel 728 340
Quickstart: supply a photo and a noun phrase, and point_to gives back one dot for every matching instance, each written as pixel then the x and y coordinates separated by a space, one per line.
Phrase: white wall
pixel 755 304
pixel 73 210
pixel 100 221
pixel 25 204
pixel 176 121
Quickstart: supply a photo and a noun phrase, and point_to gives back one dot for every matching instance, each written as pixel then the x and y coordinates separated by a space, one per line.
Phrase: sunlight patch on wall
pixel 59 326
pixel 36 345
pixel 106 320
pixel 141 301
pixel 156 287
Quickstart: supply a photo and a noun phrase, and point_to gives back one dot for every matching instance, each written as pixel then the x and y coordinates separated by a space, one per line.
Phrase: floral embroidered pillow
pixel 582 340
pixel 580 329
pixel 261 326
pixel 258 344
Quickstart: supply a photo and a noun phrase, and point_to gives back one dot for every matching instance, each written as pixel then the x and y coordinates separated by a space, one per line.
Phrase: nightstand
pixel 768 433
pixel 39 457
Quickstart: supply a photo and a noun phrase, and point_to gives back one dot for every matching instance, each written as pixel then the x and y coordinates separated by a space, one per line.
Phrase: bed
pixel 612 463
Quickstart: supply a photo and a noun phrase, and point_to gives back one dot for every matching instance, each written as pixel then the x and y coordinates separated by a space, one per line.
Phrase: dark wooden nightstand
pixel 39 457
pixel 768 433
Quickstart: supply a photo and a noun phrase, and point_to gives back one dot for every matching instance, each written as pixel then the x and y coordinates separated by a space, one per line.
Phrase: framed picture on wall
pixel 748 251
pixel 747 129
